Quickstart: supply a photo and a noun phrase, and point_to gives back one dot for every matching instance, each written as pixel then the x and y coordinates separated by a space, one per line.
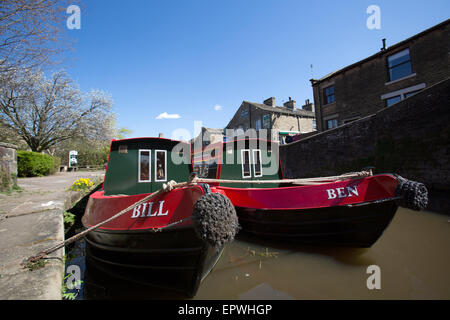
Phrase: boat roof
pixel 138 139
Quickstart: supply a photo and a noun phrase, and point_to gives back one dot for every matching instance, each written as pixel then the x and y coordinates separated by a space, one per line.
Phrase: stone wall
pixel 8 166
pixel 410 138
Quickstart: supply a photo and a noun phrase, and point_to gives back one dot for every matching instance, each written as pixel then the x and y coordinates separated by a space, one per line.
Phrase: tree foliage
pixel 44 112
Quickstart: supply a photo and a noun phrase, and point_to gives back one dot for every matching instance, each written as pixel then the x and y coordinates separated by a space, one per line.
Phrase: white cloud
pixel 165 115
pixel 218 107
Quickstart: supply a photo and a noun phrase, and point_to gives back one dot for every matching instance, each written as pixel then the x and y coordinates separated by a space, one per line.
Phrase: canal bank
pixel 31 220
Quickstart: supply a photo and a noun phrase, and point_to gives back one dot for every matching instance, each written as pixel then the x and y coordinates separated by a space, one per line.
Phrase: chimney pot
pixel 290 104
pixel 384 44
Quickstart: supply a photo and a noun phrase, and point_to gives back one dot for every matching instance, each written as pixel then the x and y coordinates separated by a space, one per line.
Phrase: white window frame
pixel 254 163
pixel 165 165
pixel 149 166
pixel 403 91
pixel 249 163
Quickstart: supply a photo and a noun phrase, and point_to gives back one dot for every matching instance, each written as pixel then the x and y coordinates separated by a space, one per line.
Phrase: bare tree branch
pixel 30 31
pixel 44 112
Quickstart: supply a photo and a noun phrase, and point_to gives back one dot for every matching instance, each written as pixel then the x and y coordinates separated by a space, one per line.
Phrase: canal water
pixel 412 256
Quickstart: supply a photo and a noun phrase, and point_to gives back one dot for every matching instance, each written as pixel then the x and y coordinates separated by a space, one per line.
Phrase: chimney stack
pixel 308 106
pixel 160 135
pixel 270 102
pixel 290 104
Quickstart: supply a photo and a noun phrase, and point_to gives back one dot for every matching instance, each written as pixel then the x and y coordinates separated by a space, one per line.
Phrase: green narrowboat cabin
pixel 142 165
pixel 241 159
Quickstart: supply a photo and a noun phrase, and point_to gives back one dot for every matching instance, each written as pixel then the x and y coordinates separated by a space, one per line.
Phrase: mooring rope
pixel 193 179
pixel 166 188
pixel 302 181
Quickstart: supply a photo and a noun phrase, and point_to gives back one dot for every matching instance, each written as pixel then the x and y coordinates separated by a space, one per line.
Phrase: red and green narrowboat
pixel 157 242
pixel 340 212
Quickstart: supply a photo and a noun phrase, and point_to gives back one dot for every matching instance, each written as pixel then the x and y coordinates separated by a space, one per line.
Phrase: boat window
pixel 144 165
pixel 257 169
pixel 160 165
pixel 245 159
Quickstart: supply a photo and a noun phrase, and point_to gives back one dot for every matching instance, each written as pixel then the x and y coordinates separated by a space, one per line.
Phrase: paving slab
pixel 30 222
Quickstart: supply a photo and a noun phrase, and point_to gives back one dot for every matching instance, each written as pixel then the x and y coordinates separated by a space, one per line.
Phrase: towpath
pixel 31 221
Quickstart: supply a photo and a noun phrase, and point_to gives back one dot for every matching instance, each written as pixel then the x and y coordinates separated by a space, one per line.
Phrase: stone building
pixel 383 79
pixel 208 136
pixel 280 122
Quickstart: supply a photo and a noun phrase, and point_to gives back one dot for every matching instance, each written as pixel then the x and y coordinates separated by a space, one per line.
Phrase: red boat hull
pixel 347 213
pixel 174 258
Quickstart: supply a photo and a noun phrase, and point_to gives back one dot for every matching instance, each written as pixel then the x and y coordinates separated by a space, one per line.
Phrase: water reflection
pixel 413 255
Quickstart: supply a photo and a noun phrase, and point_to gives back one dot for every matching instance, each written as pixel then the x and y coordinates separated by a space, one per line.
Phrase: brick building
pixel 279 122
pixel 383 79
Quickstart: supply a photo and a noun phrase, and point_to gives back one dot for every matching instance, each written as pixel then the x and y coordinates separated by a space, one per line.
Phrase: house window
pixel 245 159
pixel 258 124
pixel 391 101
pixel 399 65
pixel 144 165
pixel 160 165
pixel 244 113
pixel 314 124
pixel 266 121
pixel 257 169
pixel 329 94
pixel 332 123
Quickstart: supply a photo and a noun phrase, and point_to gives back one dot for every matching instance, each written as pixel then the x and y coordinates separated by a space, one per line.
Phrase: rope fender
pixel 412 195
pixel 215 219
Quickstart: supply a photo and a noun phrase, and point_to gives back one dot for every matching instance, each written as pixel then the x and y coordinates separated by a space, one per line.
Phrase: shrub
pixel 33 164
pixel 56 164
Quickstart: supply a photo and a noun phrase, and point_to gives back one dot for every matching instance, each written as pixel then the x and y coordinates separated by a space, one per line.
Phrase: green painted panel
pixel 270 170
pixel 122 175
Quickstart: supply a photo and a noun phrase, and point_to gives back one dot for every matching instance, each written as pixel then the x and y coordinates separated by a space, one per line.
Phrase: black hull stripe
pixel 149 251
pixel 301 223
pixel 133 266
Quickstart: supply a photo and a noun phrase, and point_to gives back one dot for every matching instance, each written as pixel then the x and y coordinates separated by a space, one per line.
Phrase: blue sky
pixel 188 57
